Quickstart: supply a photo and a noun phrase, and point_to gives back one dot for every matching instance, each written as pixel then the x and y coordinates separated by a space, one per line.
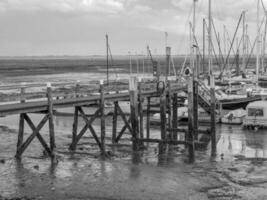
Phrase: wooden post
pixel 195 98
pixel 20 136
pixel 140 110
pixel 148 118
pixel 74 129
pixel 175 115
pixel 102 118
pixel 190 136
pixel 21 124
pixel 134 114
pixel 169 107
pixel 168 56
pixel 220 112
pixel 77 88
pixel 22 94
pixel 51 121
pixel 163 121
pixel 114 122
pixel 163 115
pixel 213 116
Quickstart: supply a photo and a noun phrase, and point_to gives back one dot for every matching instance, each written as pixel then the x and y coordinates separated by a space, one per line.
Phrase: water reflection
pixel 235 141
pixel 231 140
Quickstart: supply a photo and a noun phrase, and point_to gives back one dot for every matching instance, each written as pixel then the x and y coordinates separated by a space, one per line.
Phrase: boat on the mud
pixel 237 101
pixel 203 116
pixel 256 115
pixel 234 117
pixel 241 99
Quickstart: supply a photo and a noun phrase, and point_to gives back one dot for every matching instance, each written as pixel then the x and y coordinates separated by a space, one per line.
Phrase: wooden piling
pixel 77 89
pixel 74 129
pixel 175 115
pixel 114 122
pixel 163 121
pixel 195 98
pixel 168 62
pixel 163 115
pixel 20 136
pixel 213 116
pixel 148 118
pixel 190 135
pixel 140 110
pixel 22 95
pixel 134 114
pixel 102 118
pixel 51 121
pixel 169 100
pixel 21 124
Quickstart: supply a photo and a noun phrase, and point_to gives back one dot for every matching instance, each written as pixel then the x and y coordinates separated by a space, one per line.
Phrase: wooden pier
pixel 139 91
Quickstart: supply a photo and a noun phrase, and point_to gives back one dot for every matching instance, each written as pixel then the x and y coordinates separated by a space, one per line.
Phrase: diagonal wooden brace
pixel 88 125
pixel 122 131
pixel 121 113
pixel 38 135
pixel 36 130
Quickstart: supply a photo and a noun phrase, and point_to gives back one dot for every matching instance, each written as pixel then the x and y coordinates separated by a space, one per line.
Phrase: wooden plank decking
pixel 39 106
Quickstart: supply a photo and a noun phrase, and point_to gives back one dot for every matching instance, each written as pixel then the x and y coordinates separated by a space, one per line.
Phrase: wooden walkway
pixel 40 106
pixel 138 92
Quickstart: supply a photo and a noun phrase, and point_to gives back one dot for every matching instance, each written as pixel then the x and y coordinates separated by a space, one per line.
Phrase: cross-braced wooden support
pixel 22 145
pixel 88 126
pixel 126 124
pixel 132 123
pixel 100 113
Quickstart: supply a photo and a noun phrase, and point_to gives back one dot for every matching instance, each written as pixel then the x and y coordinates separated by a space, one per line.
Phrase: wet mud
pixel 237 172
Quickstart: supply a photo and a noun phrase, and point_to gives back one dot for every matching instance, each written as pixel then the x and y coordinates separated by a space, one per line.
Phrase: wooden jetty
pixel 138 92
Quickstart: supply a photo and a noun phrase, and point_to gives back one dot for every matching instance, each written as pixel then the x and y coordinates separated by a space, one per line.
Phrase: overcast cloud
pixel 78 27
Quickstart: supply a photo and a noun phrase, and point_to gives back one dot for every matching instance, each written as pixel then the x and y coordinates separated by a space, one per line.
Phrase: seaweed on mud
pixel 17 198
pixel 226 192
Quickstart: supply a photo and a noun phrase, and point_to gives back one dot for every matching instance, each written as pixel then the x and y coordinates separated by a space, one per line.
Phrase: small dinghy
pixel 234 117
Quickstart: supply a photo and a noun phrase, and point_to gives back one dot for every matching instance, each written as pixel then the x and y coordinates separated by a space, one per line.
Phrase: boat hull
pixel 238 103
pixel 234 121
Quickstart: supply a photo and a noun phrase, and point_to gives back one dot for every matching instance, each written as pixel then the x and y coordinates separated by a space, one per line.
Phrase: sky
pixel 78 27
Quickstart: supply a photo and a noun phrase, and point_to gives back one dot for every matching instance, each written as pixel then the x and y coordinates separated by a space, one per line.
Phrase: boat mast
pixel 194 18
pixel 192 35
pixel 137 63
pixel 107 46
pixel 130 58
pixel 204 47
pixel 166 39
pixel 209 44
pixel 244 42
pixel 264 43
pixel 143 67
pixel 258 42
pixel 247 41
pixel 224 40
